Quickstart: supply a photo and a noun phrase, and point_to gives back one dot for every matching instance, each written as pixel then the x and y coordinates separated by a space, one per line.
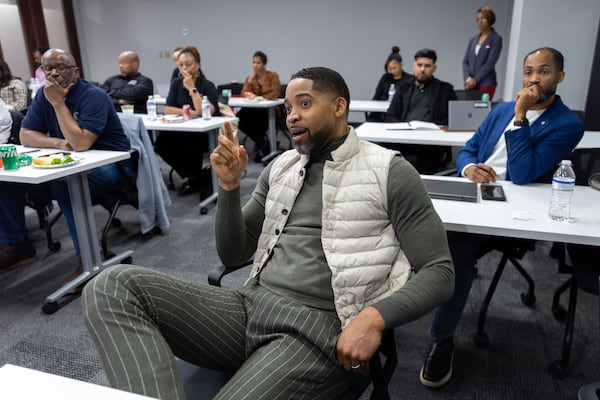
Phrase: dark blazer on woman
pixel 481 66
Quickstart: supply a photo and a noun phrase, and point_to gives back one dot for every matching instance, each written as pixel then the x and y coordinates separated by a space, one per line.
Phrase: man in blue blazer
pixel 520 141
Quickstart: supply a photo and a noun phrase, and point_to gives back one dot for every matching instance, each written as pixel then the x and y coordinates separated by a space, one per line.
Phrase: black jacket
pixel 442 93
pixel 135 87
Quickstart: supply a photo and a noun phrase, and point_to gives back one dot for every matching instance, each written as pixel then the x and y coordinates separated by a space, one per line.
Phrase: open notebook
pixel 451 189
pixel 412 125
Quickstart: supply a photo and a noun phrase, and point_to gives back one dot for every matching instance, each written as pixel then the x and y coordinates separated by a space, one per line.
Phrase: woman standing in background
pixel 482 54
pixel 394 75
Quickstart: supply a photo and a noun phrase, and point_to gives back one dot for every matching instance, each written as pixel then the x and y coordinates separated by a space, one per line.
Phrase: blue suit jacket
pixel 481 66
pixel 532 150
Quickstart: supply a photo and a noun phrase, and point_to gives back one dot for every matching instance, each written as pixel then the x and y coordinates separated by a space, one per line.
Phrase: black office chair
pixel 235 87
pixel 512 250
pixel 381 367
pixel 584 265
pixel 17 118
pixel 591 391
pixel 474 94
pixel 585 161
pixel 110 198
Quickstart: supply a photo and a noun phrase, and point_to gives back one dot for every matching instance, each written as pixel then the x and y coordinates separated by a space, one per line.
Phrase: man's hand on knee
pixel 360 340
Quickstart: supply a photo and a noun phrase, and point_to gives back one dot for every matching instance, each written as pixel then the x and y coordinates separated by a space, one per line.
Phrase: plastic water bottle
pixel 391 91
pixel 151 108
pixel 34 85
pixel 205 108
pixel 563 183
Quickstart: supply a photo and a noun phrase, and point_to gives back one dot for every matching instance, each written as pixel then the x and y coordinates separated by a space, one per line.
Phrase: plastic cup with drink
pixel 127 108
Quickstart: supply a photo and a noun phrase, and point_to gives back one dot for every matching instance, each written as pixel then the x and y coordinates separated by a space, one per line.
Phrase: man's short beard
pixel 314 143
pixel 546 94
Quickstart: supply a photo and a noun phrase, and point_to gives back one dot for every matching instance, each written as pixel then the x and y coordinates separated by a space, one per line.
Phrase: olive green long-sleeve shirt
pixel 298 269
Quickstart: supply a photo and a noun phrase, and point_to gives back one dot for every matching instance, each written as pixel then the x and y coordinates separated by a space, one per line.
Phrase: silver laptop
pixel 451 189
pixel 467 115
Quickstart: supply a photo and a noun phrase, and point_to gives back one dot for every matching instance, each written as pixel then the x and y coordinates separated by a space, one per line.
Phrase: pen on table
pixel 30 151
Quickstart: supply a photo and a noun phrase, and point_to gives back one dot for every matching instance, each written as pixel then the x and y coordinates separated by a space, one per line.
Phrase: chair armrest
pixel 216 274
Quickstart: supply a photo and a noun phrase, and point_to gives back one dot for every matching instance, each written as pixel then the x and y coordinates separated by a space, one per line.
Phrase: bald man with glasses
pixel 69 114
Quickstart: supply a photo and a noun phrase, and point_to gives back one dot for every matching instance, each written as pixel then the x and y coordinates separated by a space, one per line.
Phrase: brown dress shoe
pixel 15 255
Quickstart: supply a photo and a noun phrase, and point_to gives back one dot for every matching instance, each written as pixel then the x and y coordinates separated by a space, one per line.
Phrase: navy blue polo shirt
pixel 92 109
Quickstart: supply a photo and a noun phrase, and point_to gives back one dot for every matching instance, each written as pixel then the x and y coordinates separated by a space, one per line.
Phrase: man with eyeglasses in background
pixel 69 114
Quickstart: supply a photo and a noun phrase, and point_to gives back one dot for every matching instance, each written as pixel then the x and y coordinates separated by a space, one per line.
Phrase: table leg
pixel 87 234
pixel 272 137
pixel 212 143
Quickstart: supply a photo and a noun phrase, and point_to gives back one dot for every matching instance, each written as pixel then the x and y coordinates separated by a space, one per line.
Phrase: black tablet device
pixel 492 192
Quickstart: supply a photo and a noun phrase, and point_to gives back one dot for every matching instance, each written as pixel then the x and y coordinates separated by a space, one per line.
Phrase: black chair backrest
pixel 474 94
pixel 236 88
pixel 585 163
pixel 17 118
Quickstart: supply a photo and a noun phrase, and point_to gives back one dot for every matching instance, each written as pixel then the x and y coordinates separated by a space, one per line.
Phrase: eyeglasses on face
pixel 60 68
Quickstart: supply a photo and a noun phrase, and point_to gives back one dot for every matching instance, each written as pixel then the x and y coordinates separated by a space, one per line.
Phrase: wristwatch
pixel 194 91
pixel 521 122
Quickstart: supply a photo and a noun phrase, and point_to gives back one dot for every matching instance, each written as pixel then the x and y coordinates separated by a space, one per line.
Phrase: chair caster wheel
pixel 481 339
pixel 50 307
pixel 54 246
pixel 558 370
pixel 559 312
pixel 203 210
pixel 528 299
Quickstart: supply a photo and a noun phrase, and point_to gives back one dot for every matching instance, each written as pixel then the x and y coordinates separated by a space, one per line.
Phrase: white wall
pixel 567 26
pixel 13 42
pixel 11 37
pixel 55 24
pixel 351 36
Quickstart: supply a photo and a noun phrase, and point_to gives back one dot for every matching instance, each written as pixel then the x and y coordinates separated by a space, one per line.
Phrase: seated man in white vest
pixel 346 244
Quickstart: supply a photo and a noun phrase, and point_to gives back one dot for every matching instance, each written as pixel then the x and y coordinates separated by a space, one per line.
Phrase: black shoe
pixel 437 369
pixel 15 255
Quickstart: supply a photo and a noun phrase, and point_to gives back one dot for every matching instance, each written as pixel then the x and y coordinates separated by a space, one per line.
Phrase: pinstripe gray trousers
pixel 139 319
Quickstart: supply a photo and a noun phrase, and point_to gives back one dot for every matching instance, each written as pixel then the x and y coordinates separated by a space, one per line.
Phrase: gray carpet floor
pixel 523 340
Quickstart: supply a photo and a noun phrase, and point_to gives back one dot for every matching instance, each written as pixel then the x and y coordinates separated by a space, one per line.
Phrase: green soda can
pixel 10 157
